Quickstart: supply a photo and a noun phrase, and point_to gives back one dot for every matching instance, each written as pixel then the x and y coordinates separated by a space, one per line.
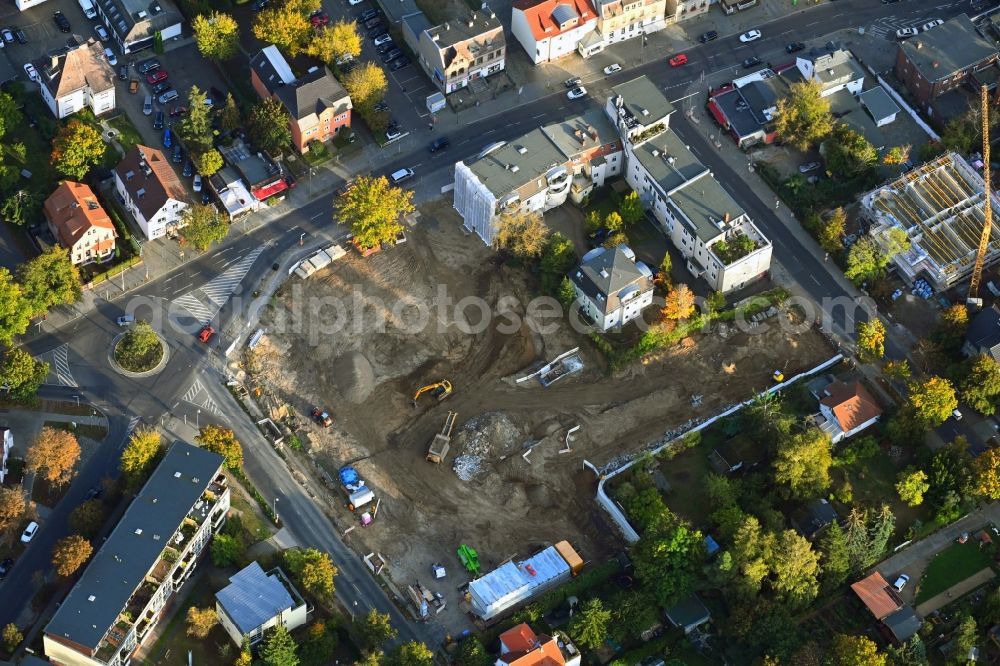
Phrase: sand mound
pixel 353 376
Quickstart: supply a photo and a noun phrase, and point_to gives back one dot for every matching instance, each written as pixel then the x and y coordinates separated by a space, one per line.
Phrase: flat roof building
pixel 255 601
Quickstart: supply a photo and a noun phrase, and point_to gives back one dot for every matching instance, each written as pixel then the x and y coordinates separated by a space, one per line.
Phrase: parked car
pixel 391 55
pixel 196 183
pixel 906 33
pixel 206 333
pixel 709 36
pixel 188 169
pixel 577 93
pixel 168 137
pixel 794 47
pixel 158 120
pixel 102 32
pixel 439 143
pixel 124 320
pixel 147 106
pixel 678 60
pixel 162 87
pixel 30 70
pixel 5 567
pixel 393 133
pixel 110 55
pixel 382 39
pixel 319 19
pixel 95 492
pixel 612 69
pixel 957 414
pixel 258 5
pixel 206 196
pixel 375 30
pixel 354 3
pixel 372 22
pixel 381 106
pixel 29 532
pixel 20 36
pixel 750 36
pixel 901 582
pixel 398 177
pixel 178 110
pixel 385 48
pixel 168 96
pixel 808 166
pixel 366 15
pixel 156 76
pixel 8 35
pixel 931 24
pixel 178 154
pixel 573 82
pixel 400 63
pixel 147 66
pixel 62 22
pixel 752 61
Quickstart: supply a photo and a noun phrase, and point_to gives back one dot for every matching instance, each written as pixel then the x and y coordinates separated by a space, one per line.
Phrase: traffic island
pixel 139 352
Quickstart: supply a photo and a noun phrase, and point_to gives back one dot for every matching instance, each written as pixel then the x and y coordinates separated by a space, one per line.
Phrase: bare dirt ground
pixel 366 377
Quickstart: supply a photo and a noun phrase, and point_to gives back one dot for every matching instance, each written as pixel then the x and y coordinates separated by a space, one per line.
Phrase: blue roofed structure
pixel 515 582
pixel 255 601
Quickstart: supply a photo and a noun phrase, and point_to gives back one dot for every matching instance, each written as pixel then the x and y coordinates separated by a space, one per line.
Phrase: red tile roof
pixel 74 210
pixel 526 648
pixel 876 594
pixel 851 404
pixel 539 15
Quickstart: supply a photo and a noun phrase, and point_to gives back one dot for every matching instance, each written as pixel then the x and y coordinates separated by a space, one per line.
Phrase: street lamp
pixel 302 238
pixel 197 420
pixel 274 507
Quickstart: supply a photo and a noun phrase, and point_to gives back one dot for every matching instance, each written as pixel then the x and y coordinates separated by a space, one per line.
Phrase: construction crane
pixel 440 390
pixel 984 240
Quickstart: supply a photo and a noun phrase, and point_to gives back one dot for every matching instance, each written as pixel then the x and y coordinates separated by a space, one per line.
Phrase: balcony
pixel 163 566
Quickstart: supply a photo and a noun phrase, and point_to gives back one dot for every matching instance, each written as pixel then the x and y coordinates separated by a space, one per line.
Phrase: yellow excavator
pixel 440 390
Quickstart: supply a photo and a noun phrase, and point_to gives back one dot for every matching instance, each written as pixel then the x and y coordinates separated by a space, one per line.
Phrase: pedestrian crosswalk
pixel 197 395
pixel 885 27
pixel 205 302
pixel 59 370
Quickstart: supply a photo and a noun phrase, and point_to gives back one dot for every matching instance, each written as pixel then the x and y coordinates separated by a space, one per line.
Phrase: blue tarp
pixel 711 547
pixel 348 476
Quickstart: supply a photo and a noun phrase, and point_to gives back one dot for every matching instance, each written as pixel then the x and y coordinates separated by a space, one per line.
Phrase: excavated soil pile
pixel 353 376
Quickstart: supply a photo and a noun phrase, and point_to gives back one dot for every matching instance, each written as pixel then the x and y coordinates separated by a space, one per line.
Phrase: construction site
pixel 473 445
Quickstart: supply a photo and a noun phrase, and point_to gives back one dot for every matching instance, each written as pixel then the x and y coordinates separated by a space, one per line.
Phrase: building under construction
pixel 939 205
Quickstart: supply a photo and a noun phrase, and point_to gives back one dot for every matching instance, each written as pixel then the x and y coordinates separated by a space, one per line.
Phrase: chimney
pixel 726 218
pixel 935 64
pixel 55 61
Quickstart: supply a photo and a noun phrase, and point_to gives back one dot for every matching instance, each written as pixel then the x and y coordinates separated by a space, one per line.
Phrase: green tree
pixel 313 568
pixel 666 559
pixel 614 222
pixel 897 155
pixel 871 340
pixel 21 374
pixel 140 348
pixel 367 85
pixel 883 525
pixel 981 384
pixel 50 279
pixel 411 653
pixel 373 209
pixel 285 26
pixel 897 369
pixel 522 234
pixel 10 113
pixel 337 40
pixel 143 448
pixel 279 648
pixel 201 225
pixel 795 569
pixel 590 626
pixel 196 127
pixel 268 125
pixel 848 152
pixel 865 261
pixel 558 259
pixel 217 35
pixel 12 637
pixel 208 162
pixel 375 629
pixel 666 265
pixel 854 651
pixel 857 539
pixel 803 117
pixel 88 518
pixel 320 641
pixel 911 485
pixel 803 463
pixel 222 441
pixel 933 400
pixel 966 638
pixel 631 208
pixel 20 207
pixel 230 117
pixel 836 563
pixel 592 221
pixel 987 474
pixel 567 294
pixel 959 135
pixel 830 233
pixel 225 550
pixel 472 652
pixel 15 310
pixel 951 327
pixel 76 147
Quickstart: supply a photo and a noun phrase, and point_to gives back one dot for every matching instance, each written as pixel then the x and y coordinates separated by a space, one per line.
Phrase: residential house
pixel 688 614
pixel 712 232
pixel 457 52
pixel 318 107
pixel 79 223
pixel 151 191
pixel 810 518
pixel 618 20
pixel 6 444
pixel 944 58
pixel 255 601
pixel 682 10
pixel 521 646
pixel 537 171
pixel 611 287
pixel 876 594
pixel 733 6
pixel 832 70
pixel 902 625
pixel 552 29
pixel 79 77
pixel 138 570
pixel 264 176
pixel 746 107
pixel 845 409
pixel 135 25
pixel 983 336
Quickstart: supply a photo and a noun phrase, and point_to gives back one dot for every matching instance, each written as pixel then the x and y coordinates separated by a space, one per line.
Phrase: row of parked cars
pixel 391 55
pixel 906 33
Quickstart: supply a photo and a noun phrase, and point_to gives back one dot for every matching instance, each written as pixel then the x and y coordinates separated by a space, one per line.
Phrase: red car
pixel 178 110
pixel 156 77
pixel 319 19
pixel 206 334
pixel 678 60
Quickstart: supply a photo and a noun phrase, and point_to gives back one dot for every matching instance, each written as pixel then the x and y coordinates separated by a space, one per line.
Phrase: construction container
pixel 360 497
pixel 513 583
pixel 572 558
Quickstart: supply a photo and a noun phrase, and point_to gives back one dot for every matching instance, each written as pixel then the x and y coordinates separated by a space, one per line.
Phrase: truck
pixel 88 8
pixel 438 449
pixel 351 483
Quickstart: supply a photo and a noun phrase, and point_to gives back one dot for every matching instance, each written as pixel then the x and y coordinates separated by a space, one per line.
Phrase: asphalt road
pixel 89 337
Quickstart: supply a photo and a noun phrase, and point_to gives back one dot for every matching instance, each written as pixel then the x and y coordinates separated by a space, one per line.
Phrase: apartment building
pixel 552 29
pixel 619 20
pixel 135 25
pixel 79 223
pixel 459 52
pixel 76 79
pixel 611 287
pixel 149 556
pixel 151 191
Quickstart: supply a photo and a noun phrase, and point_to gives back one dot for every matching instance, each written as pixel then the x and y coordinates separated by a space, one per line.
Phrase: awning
pixel 717 114
pixel 262 193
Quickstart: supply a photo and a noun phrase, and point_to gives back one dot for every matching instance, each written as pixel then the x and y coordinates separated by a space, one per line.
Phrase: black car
pixel 751 62
pixel 178 154
pixel 258 5
pixel 381 106
pixel 439 144
pixel 95 492
pixel 162 87
pixel 709 36
pixel 598 237
pixel 62 22
pixel 147 66
pixel 5 567
pixel 123 72
pixel 372 22
pixel 366 15
pixel 20 36
pixel 385 48
pixel 205 197
pixel 376 31
pixel 158 120
pixel 348 66
pixel 794 46
pixel 573 82
pixel 391 55
pixel 400 63
pixel 188 169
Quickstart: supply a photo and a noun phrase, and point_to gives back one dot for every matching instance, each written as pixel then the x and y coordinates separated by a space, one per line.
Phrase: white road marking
pixel 217 290
pixel 59 371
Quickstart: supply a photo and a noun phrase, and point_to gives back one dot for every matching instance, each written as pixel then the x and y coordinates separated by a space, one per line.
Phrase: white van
pixel 401 175
pixel 88 8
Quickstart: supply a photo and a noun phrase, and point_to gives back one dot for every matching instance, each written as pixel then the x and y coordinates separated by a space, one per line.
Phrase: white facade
pixel 169 215
pixel 832 426
pixel 631 307
pixel 27 4
pixel 272 586
pixel 611 287
pixel 845 76
pixel 7 442
pixel 554 44
pixel 69 104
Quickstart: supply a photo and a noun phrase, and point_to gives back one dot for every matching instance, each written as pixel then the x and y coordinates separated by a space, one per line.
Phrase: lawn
pixel 951 566
pixel 94 432
pixel 128 135
pixel 255 527
pixel 173 644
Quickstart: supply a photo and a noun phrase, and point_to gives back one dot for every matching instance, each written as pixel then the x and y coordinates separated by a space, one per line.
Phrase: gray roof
pixel 813 517
pixel 848 110
pixel 903 624
pixel 688 613
pixel 984 332
pixel 272 69
pixel 135 545
pixel 497 169
pixel 760 95
pixel 672 165
pixel 137 20
pixel 313 93
pixel 607 275
pixel 253 597
pixel 457 31
pixel 564 13
pixel 878 102
pixel 835 67
pixel 705 202
pixel 643 100
pixel 741 119
pixel 417 22
pixel 582 133
pixel 952 47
